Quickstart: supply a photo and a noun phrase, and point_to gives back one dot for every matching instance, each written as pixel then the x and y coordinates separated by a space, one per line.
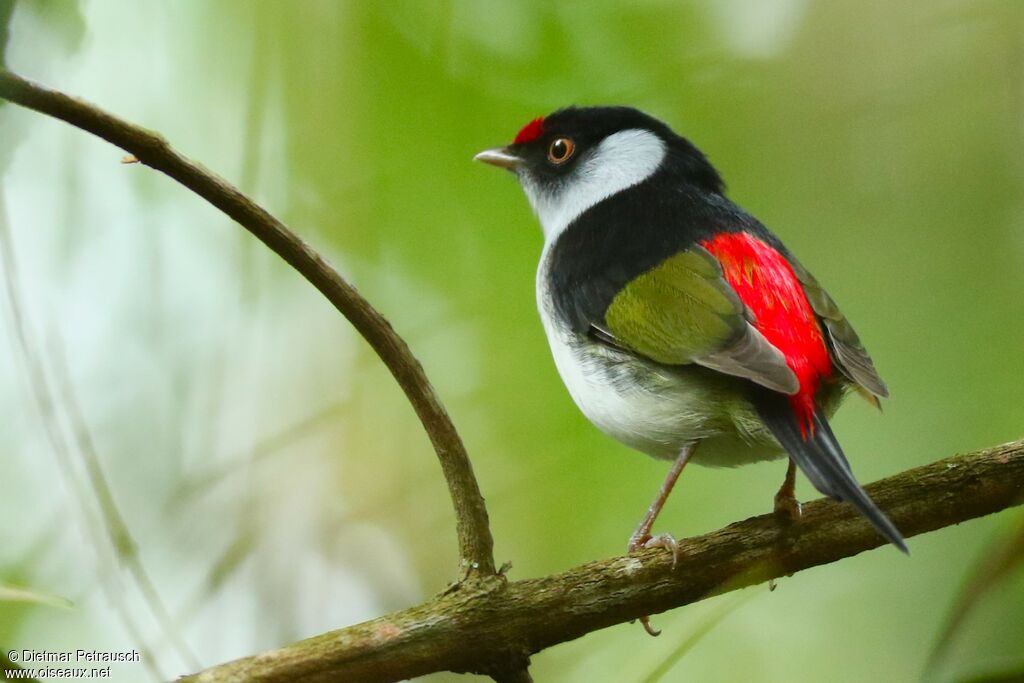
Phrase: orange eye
pixel 560 150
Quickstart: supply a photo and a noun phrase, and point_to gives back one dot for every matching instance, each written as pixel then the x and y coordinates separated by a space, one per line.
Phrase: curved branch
pixel 475 542
pixel 473 628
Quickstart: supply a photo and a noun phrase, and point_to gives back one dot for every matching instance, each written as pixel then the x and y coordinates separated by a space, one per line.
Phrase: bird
pixel 680 325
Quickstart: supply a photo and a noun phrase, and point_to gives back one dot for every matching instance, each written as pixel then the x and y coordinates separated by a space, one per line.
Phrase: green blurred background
pixel 275 481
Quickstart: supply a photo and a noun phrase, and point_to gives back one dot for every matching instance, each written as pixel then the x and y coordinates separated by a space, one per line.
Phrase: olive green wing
pixel 683 311
pixel 848 353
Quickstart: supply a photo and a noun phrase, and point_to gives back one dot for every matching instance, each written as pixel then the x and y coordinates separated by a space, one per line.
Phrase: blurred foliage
pixel 272 475
pixel 6 9
pixel 17 594
pixel 999 562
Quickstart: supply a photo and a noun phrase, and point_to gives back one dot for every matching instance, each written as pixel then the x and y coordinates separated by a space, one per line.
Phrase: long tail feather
pixel 820 457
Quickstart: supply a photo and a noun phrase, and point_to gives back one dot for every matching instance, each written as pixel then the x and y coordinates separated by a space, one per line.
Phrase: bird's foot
pixel 787 508
pixel 638 541
pixel 651 631
pixel 666 541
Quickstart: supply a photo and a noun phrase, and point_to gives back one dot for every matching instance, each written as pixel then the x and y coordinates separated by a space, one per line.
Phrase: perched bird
pixel 682 326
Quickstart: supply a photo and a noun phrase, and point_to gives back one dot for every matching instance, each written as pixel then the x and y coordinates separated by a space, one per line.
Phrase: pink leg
pixel 642 538
pixel 787 507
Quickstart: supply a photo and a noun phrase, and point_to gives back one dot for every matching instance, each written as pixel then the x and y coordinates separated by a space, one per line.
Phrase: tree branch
pixel 491 626
pixel 475 542
pixel 474 628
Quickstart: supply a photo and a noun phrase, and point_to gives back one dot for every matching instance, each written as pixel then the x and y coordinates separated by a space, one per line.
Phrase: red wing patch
pixel 765 282
pixel 530 132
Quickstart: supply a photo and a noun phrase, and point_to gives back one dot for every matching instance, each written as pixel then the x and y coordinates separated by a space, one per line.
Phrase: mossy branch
pixel 480 628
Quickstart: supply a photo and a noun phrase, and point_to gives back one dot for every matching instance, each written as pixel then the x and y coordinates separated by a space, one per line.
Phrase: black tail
pixel 820 457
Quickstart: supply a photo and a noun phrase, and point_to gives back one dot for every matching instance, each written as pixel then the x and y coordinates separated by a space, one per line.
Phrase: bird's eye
pixel 560 150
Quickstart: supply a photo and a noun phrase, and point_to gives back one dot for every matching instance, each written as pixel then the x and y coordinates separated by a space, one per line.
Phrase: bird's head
pixel 574 158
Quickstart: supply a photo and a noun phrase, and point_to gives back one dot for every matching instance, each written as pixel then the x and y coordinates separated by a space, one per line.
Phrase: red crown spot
pixel 530 132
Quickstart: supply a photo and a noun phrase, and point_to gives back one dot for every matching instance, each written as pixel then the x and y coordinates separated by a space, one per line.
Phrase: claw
pixel 787 509
pixel 668 542
pixel 636 542
pixel 651 631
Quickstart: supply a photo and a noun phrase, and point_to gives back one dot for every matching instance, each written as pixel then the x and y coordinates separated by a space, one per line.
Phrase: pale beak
pixel 499 157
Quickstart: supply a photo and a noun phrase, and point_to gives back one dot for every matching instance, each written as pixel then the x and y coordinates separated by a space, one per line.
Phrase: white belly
pixel 654 409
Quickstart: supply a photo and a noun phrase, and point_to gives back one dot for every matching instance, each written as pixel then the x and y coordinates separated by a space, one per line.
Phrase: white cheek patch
pixel 622 160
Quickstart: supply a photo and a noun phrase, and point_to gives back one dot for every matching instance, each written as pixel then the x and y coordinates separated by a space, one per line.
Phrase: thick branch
pixel 462 630
pixel 475 542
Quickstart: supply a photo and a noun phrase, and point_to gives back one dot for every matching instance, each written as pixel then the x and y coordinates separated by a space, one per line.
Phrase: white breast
pixel 636 403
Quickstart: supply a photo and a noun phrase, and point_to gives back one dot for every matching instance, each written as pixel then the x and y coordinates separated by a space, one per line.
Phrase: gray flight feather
pixel 753 357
